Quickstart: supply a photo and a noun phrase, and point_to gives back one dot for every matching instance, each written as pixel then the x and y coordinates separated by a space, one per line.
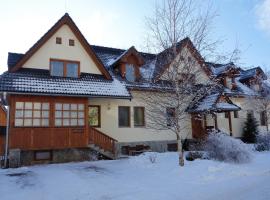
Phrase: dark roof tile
pixel 40 81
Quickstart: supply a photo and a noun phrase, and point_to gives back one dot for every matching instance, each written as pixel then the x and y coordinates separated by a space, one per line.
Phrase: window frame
pixel 32 118
pixel 65 63
pixel 99 115
pixel 41 151
pixel 167 117
pixel 235 114
pixel 58 40
pixel 131 66
pixel 129 117
pixel 140 107
pixel 70 117
pixel 263 118
pixel 71 42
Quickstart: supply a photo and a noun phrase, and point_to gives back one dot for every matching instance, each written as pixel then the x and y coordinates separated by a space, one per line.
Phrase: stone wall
pixel 19 157
pixel 156 146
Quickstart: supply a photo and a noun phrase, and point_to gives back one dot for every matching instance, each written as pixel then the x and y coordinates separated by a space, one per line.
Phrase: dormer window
pixel 58 40
pixel 130 73
pixel 64 68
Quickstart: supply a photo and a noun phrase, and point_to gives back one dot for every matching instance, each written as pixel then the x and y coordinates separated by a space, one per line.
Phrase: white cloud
pixel 262 11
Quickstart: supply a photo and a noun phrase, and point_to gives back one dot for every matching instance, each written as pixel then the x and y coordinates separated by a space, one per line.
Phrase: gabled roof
pixel 65 20
pixel 123 57
pixel 166 57
pixel 252 73
pixel 221 69
pixel 212 103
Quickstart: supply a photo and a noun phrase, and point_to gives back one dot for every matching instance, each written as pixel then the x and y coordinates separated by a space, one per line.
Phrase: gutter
pixel 7 132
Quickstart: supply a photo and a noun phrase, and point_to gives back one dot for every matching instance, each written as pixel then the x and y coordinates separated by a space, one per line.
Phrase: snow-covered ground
pixel 137 178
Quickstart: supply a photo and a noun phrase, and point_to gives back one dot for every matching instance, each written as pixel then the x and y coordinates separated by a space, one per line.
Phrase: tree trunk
pixel 181 152
pixel 267 128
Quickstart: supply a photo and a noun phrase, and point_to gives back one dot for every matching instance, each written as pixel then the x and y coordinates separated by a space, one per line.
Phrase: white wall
pixel 195 68
pixel 109 122
pixel 41 59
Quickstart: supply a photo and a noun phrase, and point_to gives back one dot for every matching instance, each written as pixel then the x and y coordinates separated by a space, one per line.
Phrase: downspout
pixel 7 132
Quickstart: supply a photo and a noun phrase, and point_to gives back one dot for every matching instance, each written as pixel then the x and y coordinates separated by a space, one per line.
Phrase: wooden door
pixel 197 126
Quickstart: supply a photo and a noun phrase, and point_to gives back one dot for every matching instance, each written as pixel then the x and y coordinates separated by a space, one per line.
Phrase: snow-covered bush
pixel 193 155
pixel 220 146
pixel 153 157
pixel 263 142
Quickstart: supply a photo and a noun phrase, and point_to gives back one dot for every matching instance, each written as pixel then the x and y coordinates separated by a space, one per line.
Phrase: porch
pixel 212 112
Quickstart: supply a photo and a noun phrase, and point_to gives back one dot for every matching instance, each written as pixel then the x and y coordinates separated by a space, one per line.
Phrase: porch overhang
pixel 215 108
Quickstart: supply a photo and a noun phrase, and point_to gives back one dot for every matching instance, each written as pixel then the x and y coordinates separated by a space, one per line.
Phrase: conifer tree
pixel 250 129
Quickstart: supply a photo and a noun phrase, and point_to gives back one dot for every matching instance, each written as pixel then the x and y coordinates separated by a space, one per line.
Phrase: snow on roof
pixel 39 81
pixel 218 69
pixel 244 89
pixel 209 103
pixel 147 70
pixel 226 106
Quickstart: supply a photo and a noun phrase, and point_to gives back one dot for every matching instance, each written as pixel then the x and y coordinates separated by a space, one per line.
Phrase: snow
pixel 148 69
pixel 225 106
pixel 245 89
pixel 207 102
pixel 137 178
pixel 69 86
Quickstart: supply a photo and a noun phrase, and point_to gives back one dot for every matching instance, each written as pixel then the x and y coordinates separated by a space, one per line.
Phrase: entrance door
pixel 197 126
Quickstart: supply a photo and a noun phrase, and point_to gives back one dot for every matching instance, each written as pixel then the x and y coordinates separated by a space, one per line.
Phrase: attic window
pixel 71 42
pixel 58 40
pixel 64 68
pixel 130 72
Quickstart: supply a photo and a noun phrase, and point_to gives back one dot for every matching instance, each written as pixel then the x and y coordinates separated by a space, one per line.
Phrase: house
pixel 69 98
pixel 3 123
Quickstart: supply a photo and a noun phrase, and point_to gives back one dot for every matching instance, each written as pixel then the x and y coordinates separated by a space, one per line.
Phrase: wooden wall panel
pixel 20 138
pixel 76 137
pixel 60 137
pixel 2 145
pixel 34 138
pixel 3 117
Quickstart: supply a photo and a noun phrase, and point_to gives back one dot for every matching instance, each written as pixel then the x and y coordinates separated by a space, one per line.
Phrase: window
pixel 187 78
pixel 123 116
pixel 72 70
pixel 250 112
pixel 71 42
pixel 235 114
pixel 139 119
pixel 170 116
pixel 65 68
pixel 263 118
pixel 32 114
pixel 130 73
pixel 57 68
pixel 58 40
pixel 94 116
pixel 43 155
pixel 227 114
pixel 69 114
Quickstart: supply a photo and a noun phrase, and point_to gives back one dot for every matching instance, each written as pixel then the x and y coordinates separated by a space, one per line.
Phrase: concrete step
pixel 102 151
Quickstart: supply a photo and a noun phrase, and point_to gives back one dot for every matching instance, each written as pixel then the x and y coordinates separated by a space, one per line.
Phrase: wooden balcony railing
pixel 101 140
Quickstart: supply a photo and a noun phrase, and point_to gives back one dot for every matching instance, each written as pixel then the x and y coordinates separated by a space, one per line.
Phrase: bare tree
pixel 179 79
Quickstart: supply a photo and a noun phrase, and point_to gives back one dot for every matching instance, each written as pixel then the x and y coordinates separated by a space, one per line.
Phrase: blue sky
pixel 120 23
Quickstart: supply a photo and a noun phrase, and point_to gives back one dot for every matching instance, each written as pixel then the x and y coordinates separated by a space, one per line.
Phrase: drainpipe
pixel 7 132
